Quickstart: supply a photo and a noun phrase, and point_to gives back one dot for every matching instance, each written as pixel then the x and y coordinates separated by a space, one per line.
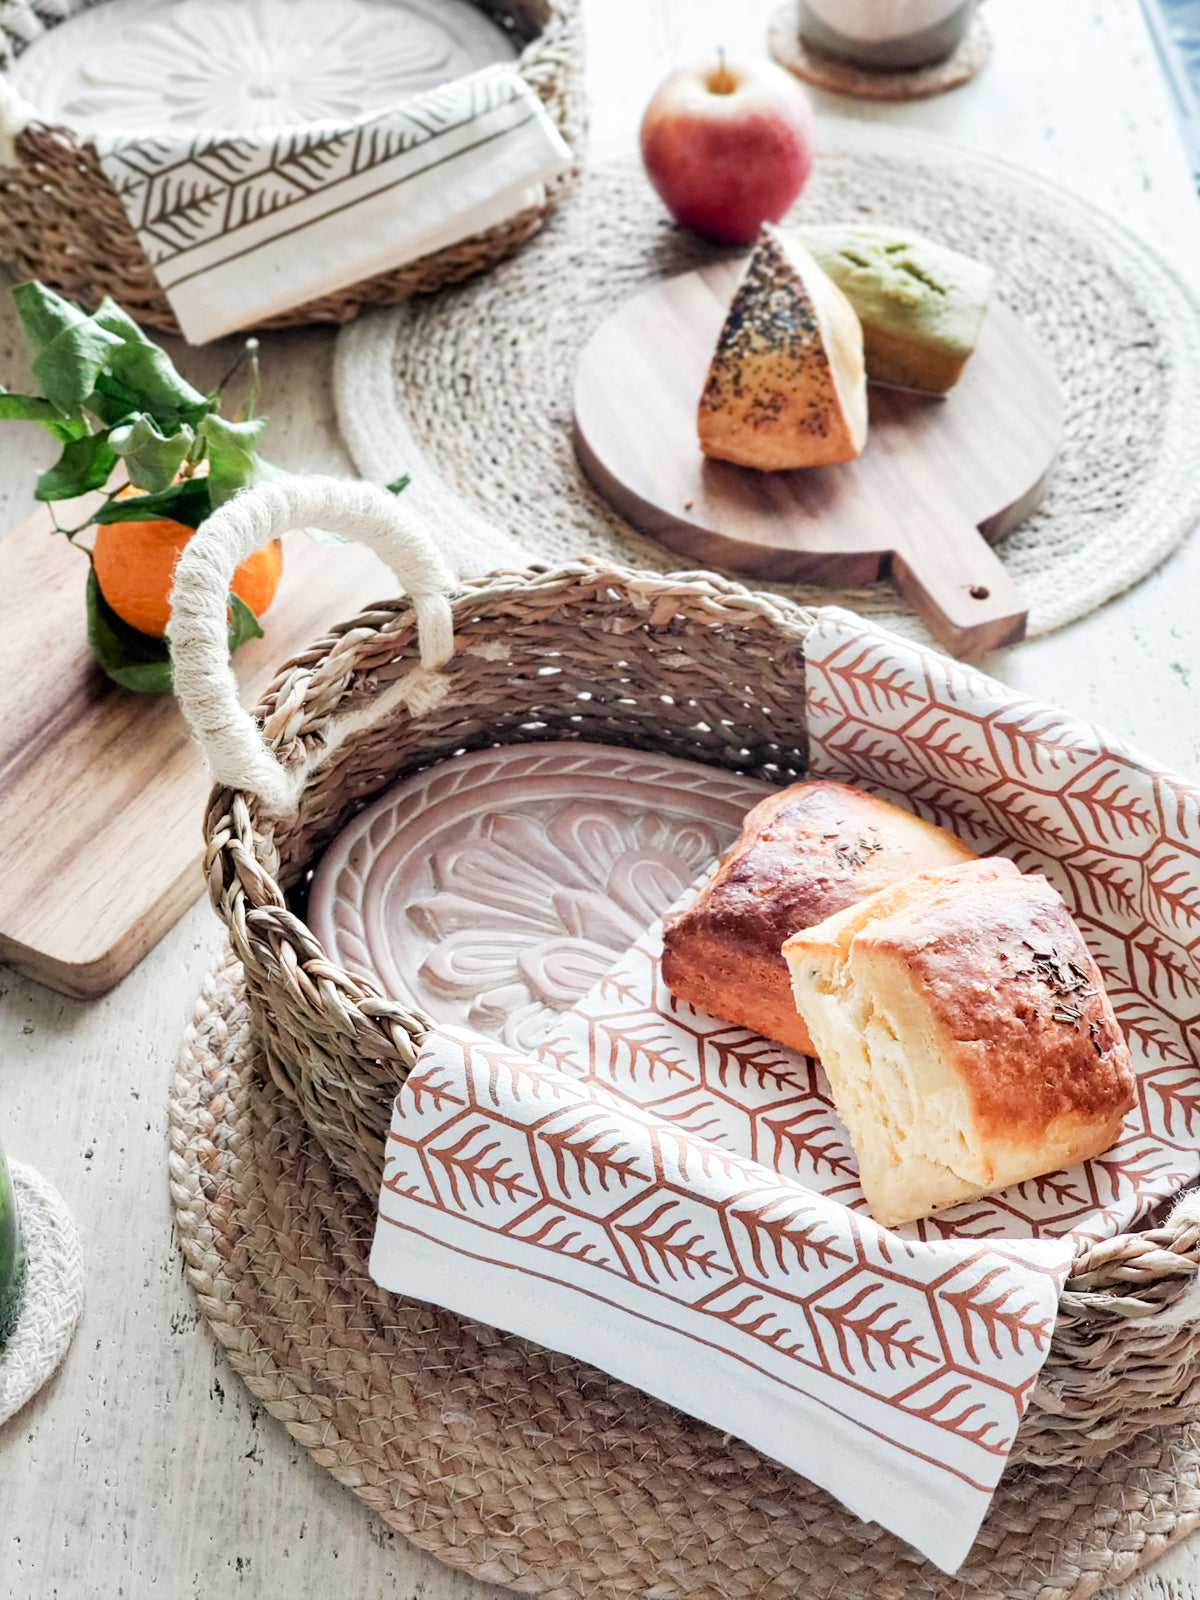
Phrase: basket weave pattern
pixel 688 666
pixel 61 220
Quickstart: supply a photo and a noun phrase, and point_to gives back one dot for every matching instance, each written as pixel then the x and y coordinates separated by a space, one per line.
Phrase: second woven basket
pixel 62 221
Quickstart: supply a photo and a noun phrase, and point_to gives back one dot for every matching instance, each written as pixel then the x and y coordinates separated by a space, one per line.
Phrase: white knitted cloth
pixel 470 390
pixel 52 1295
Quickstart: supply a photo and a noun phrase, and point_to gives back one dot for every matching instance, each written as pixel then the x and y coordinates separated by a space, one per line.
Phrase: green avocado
pixel 920 303
pixel 12 1255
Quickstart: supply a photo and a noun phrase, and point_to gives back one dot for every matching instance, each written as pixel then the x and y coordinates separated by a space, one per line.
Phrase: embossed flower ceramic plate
pixel 242 65
pixel 494 889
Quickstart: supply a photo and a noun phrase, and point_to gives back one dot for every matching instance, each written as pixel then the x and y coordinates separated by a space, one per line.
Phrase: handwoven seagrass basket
pixel 686 665
pixel 62 222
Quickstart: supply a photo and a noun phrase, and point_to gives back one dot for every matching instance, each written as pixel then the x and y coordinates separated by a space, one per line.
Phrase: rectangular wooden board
pixel 102 792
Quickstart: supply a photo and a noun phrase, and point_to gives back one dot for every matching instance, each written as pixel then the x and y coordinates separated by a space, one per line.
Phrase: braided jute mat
pixel 469 390
pixel 526 1468
pixel 51 1295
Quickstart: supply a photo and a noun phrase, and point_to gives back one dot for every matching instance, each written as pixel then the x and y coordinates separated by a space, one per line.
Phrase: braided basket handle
pixel 198 632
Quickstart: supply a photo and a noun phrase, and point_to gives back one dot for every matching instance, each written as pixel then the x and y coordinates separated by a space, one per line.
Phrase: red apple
pixel 728 145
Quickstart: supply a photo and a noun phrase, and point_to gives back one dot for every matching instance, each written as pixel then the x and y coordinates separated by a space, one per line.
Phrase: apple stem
pixel 722 80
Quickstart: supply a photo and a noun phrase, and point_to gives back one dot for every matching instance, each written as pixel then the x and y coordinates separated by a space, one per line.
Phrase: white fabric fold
pixel 891 1372
pixel 240 227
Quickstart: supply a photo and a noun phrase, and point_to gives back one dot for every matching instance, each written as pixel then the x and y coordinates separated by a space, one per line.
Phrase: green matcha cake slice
pixel 920 303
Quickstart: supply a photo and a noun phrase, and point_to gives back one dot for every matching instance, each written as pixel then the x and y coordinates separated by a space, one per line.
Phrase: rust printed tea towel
pixel 241 226
pixel 893 1372
pixel 675 1200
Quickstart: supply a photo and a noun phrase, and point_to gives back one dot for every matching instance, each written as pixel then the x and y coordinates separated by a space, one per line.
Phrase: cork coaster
pixel 843 77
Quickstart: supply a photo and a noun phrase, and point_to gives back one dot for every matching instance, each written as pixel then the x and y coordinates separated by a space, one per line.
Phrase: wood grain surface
pixel 146 1470
pixel 938 478
pixel 101 790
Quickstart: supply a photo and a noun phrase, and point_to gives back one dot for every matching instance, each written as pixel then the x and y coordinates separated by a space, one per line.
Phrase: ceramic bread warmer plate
pixel 70 195
pixel 686 666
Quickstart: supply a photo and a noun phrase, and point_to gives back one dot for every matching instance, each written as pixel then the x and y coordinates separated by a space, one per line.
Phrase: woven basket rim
pixel 1163 1258
pixel 77 139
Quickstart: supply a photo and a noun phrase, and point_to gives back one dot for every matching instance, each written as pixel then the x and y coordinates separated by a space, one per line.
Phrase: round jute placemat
pixel 470 390
pixel 51 1295
pixel 843 77
pixel 526 1468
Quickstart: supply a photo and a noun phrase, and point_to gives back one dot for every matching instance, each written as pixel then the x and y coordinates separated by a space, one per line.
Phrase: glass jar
pixel 886 35
pixel 12 1255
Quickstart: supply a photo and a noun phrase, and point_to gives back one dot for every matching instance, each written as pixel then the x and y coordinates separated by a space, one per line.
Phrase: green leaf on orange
pixel 151 458
pixel 186 501
pixel 85 464
pixel 34 408
pixel 129 657
pixel 232 457
pixel 143 369
pixel 243 624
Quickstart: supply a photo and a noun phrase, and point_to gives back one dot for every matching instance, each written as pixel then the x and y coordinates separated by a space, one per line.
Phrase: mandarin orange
pixel 135 568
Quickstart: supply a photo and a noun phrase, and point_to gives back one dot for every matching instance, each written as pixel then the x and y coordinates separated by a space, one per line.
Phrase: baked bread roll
pixel 786 386
pixel 804 853
pixel 966 1034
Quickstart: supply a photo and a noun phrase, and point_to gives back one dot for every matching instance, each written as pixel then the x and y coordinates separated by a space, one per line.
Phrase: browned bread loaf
pixel 803 854
pixel 786 386
pixel 966 1033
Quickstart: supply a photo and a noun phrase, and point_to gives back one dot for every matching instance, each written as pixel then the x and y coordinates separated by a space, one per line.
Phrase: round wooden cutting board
pixel 939 478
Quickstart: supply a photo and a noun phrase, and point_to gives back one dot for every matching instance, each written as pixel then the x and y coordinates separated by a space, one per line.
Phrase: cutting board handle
pixel 204 681
pixel 959 587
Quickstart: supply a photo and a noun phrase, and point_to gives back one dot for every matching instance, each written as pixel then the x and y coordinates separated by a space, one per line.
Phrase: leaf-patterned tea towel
pixel 242 226
pixel 892 1372
pixel 675 1199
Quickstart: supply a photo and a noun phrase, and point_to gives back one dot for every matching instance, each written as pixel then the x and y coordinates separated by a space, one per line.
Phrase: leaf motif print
pixel 873 684
pixel 1038 742
pixel 1002 1316
pixel 864 752
pixel 1178 1095
pixel 470 1170
pixel 433 1087
pixel 949 752
pixel 774 1227
pixel 813 1142
pixel 1170 968
pixel 572 1243
pixel 1173 888
pixel 1115 811
pixel 767 1325
pixel 1144 1027
pixel 676 1248
pixel 962 1422
pixel 592 1146
pixel 643 1049
pixel 877 1331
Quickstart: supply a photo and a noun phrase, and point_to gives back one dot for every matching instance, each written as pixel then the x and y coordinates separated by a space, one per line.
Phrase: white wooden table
pixel 145 1469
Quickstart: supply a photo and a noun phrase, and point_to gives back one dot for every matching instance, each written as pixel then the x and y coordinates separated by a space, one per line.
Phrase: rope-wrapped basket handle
pixel 198 630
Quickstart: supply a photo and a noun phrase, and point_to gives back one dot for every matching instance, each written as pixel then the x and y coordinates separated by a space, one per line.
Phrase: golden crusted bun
pixel 804 853
pixel 966 1033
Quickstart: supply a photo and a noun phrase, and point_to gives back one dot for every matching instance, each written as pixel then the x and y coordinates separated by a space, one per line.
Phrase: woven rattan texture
pixel 51 1294
pixel 843 77
pixel 526 1468
pixel 492 415
pixel 692 667
pixel 62 222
